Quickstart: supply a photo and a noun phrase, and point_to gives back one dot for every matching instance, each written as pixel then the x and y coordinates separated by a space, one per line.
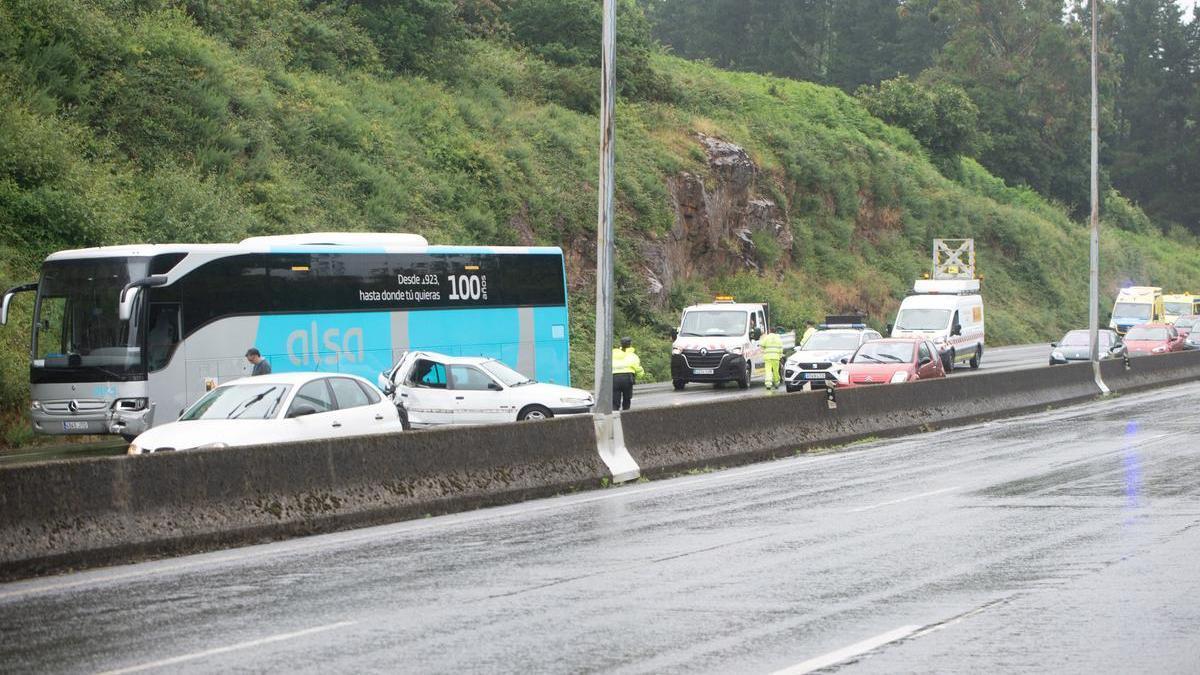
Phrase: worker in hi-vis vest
pixel 772 346
pixel 626 368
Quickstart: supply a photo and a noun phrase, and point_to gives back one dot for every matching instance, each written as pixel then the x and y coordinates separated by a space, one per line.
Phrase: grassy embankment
pixel 125 126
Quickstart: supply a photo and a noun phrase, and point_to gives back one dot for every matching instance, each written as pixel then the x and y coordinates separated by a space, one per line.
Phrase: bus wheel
pixel 534 412
pixel 977 358
pixel 679 384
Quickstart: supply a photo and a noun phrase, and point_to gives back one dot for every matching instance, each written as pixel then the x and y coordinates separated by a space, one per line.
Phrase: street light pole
pixel 604 224
pixel 1094 285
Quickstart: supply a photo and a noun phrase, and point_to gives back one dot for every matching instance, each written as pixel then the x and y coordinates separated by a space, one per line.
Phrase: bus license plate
pixel 814 376
pixel 703 371
pixel 75 426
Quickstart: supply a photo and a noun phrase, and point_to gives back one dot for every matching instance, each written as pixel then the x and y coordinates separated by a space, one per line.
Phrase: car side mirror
pixel 889 329
pixel 956 329
pixel 492 386
pixel 1053 344
pixel 755 333
pixel 674 333
pixel 844 360
pixel 301 411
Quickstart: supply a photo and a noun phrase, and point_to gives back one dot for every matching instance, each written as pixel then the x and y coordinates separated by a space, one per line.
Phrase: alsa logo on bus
pixel 303 348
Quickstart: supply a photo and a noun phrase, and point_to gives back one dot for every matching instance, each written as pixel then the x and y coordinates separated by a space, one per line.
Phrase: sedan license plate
pixel 814 376
pixel 75 426
pixel 703 371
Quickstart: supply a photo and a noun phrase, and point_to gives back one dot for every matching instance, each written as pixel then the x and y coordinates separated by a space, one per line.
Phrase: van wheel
pixel 534 412
pixel 948 363
pixel 744 380
pixel 679 384
pixel 978 356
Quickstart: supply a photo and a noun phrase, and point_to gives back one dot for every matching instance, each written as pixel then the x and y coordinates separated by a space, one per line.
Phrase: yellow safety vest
pixel 772 346
pixel 625 361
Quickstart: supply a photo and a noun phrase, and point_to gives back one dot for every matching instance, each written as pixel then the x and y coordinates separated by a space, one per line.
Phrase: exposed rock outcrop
pixel 721 224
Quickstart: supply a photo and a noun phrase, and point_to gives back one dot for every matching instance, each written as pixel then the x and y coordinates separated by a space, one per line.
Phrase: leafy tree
pixel 1025 64
pixel 1155 159
pixel 941 116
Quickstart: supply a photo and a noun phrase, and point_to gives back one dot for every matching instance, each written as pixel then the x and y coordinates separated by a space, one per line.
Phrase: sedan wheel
pixel 535 412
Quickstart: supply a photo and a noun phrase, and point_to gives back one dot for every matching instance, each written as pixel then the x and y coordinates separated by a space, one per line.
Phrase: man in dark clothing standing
pixel 261 367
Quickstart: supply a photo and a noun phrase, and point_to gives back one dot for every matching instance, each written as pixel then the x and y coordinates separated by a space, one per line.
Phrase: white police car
pixel 818 361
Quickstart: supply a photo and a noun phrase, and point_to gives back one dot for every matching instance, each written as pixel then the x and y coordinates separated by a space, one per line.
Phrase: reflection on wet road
pixel 1064 541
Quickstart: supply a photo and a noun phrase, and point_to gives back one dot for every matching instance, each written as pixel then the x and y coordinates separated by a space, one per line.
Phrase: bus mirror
pixel 130 292
pixel 8 296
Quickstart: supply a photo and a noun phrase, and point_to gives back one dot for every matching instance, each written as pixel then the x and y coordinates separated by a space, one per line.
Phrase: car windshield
pixel 884 352
pixel 1176 308
pixel 238 402
pixel 1132 310
pixel 1145 333
pixel 1075 339
pixel 77 329
pixel 508 376
pixel 829 341
pixel 923 319
pixel 714 323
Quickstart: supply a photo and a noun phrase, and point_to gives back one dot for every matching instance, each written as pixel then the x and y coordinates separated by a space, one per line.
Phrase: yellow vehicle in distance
pixel 1176 305
pixel 1136 305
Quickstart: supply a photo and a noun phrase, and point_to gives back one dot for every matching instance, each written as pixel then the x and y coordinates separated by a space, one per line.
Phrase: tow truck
pixel 717 342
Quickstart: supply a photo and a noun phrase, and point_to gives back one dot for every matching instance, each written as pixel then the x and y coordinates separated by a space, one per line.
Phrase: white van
pixel 949 312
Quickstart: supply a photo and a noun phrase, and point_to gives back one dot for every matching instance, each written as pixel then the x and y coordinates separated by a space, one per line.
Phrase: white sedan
pixel 435 389
pixel 276 408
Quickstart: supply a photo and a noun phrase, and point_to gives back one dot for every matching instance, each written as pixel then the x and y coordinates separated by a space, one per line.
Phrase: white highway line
pixel 231 648
pixel 903 499
pixel 847 653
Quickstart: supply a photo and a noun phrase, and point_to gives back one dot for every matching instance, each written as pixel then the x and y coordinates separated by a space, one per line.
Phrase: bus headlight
pixel 899 376
pixel 35 405
pixel 131 404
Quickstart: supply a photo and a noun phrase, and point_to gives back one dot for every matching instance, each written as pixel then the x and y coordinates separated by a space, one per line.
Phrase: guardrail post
pixel 610 443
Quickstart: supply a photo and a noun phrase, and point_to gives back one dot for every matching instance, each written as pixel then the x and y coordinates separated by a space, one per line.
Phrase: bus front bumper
pixel 47 419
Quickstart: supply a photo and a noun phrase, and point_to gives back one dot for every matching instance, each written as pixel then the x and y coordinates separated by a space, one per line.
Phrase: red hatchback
pixel 892 361
pixel 1153 338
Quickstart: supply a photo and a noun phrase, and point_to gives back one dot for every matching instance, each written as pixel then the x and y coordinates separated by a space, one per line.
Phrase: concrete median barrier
pixel 1144 372
pixel 62 515
pixel 666 440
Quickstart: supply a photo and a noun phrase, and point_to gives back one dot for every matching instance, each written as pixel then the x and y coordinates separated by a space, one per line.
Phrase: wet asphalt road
pixel 1065 541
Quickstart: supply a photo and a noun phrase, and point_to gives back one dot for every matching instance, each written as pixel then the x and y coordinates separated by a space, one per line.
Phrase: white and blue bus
pixel 125 337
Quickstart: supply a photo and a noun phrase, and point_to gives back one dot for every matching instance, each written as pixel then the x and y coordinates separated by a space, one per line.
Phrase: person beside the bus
pixel 261 367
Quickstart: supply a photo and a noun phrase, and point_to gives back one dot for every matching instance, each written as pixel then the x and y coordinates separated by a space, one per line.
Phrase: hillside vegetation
pixel 151 120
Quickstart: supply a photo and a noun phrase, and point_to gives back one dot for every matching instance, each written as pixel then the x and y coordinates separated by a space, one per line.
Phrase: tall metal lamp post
pixel 1094 284
pixel 610 440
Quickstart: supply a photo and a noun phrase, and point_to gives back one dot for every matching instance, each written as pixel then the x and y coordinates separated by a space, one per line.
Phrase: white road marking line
pixel 846 653
pixel 231 648
pixel 903 499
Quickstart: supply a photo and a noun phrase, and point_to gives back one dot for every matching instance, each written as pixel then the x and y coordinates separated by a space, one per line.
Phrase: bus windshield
pixel 1177 308
pixel 77 332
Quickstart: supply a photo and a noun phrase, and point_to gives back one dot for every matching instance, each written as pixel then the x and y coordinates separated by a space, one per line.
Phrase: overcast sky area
pixel 1187 6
